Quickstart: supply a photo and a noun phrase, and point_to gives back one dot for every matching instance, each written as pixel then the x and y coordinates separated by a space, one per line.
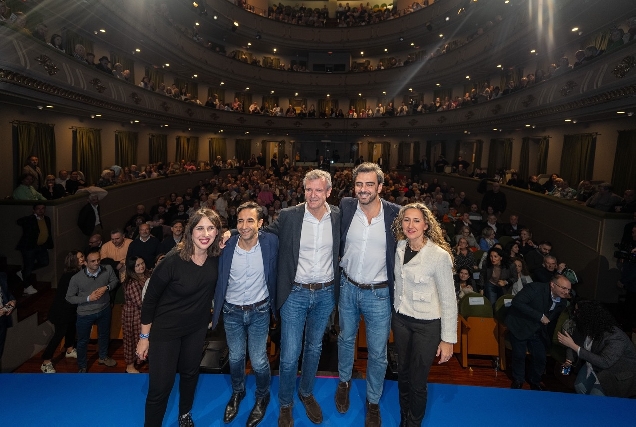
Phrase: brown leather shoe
pixel 373 418
pixel 342 396
pixel 314 413
pixel 285 417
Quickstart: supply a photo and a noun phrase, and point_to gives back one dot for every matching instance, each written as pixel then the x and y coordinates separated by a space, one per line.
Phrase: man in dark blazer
pixel 531 321
pixel 367 249
pixel 88 219
pixel 7 305
pixel 246 293
pixel 306 293
pixel 34 244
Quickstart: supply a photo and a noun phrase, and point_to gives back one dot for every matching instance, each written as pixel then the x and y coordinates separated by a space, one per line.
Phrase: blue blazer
pixel 269 249
pixel 348 206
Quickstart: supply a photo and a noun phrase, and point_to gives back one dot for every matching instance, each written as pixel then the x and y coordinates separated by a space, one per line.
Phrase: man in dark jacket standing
pixel 89 220
pixel 34 244
pixel 531 321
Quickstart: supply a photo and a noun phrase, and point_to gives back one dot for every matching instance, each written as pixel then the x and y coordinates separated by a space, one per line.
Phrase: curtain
pixel 479 151
pixel 245 99
pixel 542 162
pixel 443 93
pixel 155 76
pixel 507 153
pixel 492 157
pixel 158 148
pixel 193 89
pixel 404 153
pixel 326 104
pixel 370 151
pixel 358 104
pixel 180 83
pixel 218 92
pixel 71 38
pixel 428 155
pixel 37 139
pixel 624 175
pixel 577 158
pixel 126 63
pixel 187 149
pixel 281 151
pixel 416 152
pixel 126 148
pixel 386 154
pixel 458 147
pixel 87 153
pixel 524 160
pixel 243 150
pixel 270 101
pixel 217 147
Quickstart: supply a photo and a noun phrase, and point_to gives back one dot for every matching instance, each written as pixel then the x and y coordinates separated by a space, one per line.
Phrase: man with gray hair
pixel 367 249
pixel 306 295
pixel 605 200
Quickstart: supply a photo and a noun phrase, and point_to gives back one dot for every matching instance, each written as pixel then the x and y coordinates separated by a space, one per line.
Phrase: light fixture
pixel 441 35
pixel 499 66
pixel 131 122
pixel 495 129
pixel 49 106
pixel 575 29
pixel 195 4
pixel 468 77
pixel 92 116
pixel 101 30
pixel 249 44
pixel 507 1
pixel 533 51
pixel 630 114
pixel 359 94
pixel 40 107
pixel 272 92
pixel 236 24
pixel 447 19
pixel 215 17
pixel 98 115
pixel 296 94
pixel 247 88
pixel 258 36
pixel 166 125
pixel 274 50
pixel 386 50
pixel 137 50
pixel 196 23
pixel 136 121
pixel 361 53
pixel 195 75
pixel 167 65
pixel 620 112
pixel 383 93
pixel 527 126
pixel 222 83
pixel 574 121
pixel 412 44
pixel 410 89
pixel 221 130
pixel 328 95
pixel 437 84
pixel 568 120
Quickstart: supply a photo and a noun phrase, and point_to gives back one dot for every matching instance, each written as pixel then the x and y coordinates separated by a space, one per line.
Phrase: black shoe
pixel 516 385
pixel 285 417
pixel 373 418
pixel 537 387
pixel 314 413
pixel 342 396
pixel 258 411
pixel 186 420
pixel 231 410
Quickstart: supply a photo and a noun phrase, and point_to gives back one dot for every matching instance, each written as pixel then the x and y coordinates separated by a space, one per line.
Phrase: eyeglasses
pixel 569 290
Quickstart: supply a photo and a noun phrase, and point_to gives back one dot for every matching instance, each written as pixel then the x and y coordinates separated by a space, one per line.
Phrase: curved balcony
pixel 32 73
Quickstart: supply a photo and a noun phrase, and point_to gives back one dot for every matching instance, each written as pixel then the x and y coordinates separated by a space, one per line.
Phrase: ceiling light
pixel 575 29
pixel 136 121
pixel 196 23
pixel 296 94
pixel 468 77
pixel 527 126
pixel 574 121
pixel 222 83
pixel 507 1
pixel 272 92
pixel 499 66
pixel 361 53
pixel 98 115
pixel 359 94
pixel 249 44
pixel 384 93
pixel 258 36
pixel 92 116
pixel 49 106
pixel 386 50
pixel 274 50
pixel 495 129
pixel 195 75
pixel 412 44
pixel 236 24
pixel 533 51
pixel 441 35
pixel 166 125
pixel 195 4
pixel 102 30
pixel 167 65
pixel 327 95
pixel 215 17
pixel 40 107
pixel 568 120
pixel 401 38
pixel 247 88
pixel 437 84
pixel 447 19
pixel 137 50
pixel 630 114
pixel 620 112
pixel 410 89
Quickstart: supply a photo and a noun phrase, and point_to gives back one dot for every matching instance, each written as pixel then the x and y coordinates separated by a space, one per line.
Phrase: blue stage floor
pixel 118 400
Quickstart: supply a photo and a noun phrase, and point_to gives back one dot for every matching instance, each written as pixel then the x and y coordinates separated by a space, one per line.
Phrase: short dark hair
pixel 116 230
pixel 545 242
pixel 252 205
pixel 36 204
pixel 92 251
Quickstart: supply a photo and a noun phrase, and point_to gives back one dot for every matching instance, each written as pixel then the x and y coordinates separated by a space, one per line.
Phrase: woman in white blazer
pixel 424 317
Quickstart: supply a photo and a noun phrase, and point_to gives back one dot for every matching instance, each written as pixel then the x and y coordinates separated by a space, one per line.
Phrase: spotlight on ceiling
pixel 258 36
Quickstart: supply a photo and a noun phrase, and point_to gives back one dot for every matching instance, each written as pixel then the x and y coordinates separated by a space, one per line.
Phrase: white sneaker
pixel 72 354
pixel 47 368
pixel 30 290
pixel 19 274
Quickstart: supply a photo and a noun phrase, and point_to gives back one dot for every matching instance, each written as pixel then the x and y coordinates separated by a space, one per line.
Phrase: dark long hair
pixel 593 320
pixel 70 262
pixel 505 259
pixel 131 261
pixel 185 248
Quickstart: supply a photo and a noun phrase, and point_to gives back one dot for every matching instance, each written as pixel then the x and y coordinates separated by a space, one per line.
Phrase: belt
pixel 315 286
pixel 365 286
pixel 250 306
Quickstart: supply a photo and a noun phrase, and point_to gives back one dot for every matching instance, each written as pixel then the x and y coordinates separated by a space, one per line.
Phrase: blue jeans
pixel 586 385
pixel 375 306
pixel 251 326
pixel 493 292
pixel 308 310
pixel 84 325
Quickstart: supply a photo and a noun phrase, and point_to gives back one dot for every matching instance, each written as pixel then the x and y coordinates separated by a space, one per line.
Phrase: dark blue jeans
pixel 308 310
pixel 84 325
pixel 251 326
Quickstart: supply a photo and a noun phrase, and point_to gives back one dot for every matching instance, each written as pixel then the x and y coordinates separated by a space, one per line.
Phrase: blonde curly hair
pixel 433 232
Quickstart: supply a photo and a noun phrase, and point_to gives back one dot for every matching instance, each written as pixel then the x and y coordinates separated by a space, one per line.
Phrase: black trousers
pixel 165 359
pixel 4 325
pixel 416 343
pixel 66 330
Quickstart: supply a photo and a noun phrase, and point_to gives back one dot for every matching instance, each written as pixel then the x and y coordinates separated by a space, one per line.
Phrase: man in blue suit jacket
pixel 367 249
pixel 246 292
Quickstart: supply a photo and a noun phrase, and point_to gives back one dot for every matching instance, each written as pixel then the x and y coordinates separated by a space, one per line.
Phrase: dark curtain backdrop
pixel 624 175
pixel 243 150
pixel 71 38
pixel 416 152
pixel 244 98
pixel 155 76
pixel 36 139
pixel 270 101
pixel 443 93
pixel 358 104
pixel 126 63
pixel 218 92
pixel 217 147
pixel 479 151
pixel 324 104
pixel 499 155
pixel 187 149
pixel 158 148
pixel 577 158
pixel 524 159
pixel 126 148
pixel 542 161
pixel 404 153
pixel 87 150
pixel 386 154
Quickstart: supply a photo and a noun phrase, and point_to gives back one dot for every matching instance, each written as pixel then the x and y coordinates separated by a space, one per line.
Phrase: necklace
pixel 408 246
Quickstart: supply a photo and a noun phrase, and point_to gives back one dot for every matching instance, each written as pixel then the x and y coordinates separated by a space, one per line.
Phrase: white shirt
pixel 315 256
pixel 246 284
pixel 97 220
pixel 364 257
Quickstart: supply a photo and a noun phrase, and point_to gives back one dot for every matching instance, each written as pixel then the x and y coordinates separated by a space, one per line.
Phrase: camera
pixel 624 252
pixel 565 370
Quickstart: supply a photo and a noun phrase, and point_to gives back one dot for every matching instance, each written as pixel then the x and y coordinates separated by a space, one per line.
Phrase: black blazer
pixel 348 205
pixel 6 297
pixel 288 227
pixel 86 219
pixel 528 306
pixel 31 232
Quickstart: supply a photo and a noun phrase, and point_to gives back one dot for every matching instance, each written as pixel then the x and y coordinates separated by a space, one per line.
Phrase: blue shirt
pixel 246 284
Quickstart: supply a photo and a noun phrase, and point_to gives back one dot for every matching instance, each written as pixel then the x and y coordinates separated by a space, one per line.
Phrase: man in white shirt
pixel 367 249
